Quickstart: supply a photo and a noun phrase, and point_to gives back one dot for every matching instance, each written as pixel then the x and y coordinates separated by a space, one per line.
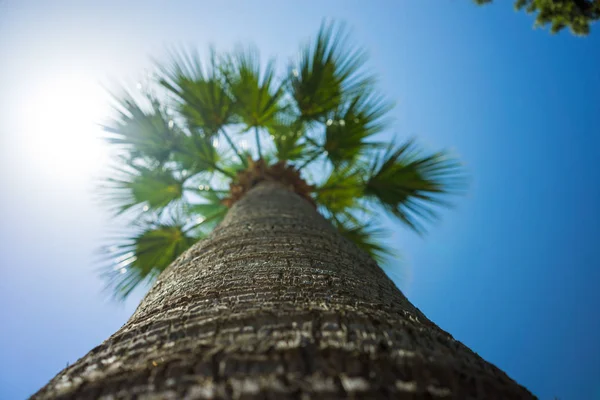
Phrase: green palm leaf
pixel 366 237
pixel 328 71
pixel 257 98
pixel 143 131
pixel 201 94
pixel 206 215
pixel 409 183
pixel 196 154
pixel 342 189
pixel 348 128
pixel 287 137
pixel 144 256
pixel 135 185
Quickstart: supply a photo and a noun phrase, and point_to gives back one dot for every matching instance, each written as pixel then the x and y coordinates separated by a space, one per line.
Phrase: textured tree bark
pixel 276 304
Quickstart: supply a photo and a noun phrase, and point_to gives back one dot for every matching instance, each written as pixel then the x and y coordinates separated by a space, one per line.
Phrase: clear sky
pixel 512 271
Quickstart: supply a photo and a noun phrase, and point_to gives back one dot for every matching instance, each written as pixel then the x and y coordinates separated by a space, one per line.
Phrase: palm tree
pixel 262 255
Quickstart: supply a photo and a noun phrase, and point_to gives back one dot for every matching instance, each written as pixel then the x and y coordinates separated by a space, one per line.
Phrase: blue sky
pixel 511 271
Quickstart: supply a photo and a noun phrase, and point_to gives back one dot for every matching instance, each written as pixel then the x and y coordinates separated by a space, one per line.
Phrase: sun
pixel 60 121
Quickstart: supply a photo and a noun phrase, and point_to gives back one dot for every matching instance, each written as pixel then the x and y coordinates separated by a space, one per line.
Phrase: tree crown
pixel 183 154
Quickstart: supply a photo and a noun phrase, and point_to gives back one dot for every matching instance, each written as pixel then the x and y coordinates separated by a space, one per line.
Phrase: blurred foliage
pixel 179 151
pixel 577 15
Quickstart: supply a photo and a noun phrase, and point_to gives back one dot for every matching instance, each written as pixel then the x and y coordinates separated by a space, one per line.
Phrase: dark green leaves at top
pixel 559 14
pixel 201 94
pixel 144 132
pixel 256 94
pixel 348 128
pixel 145 255
pixel 328 71
pixel 408 183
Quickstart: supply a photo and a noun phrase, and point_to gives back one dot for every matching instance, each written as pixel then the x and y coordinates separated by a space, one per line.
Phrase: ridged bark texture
pixel 275 304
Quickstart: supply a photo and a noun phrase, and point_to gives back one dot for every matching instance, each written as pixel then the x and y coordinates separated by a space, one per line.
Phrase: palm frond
pixel 410 184
pixel 143 256
pixel 341 190
pixel 196 154
pixel 200 92
pixel 136 185
pixel 366 236
pixel 233 165
pixel 142 131
pixel 286 135
pixel 349 126
pixel 328 71
pixel 256 94
pixel 206 215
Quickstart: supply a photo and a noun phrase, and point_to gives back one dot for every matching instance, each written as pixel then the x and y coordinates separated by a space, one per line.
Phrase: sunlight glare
pixel 61 127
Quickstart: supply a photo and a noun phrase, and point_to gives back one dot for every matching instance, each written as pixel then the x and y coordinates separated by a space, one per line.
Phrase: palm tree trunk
pixel 276 304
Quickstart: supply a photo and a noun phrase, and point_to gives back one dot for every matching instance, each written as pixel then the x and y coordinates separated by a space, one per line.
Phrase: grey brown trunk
pixel 276 304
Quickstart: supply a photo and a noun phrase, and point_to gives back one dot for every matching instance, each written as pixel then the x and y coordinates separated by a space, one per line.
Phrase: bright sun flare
pixel 61 125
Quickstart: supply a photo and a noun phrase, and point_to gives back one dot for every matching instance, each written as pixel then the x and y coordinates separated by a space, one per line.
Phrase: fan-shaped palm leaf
pixel 202 98
pixel 408 183
pixel 257 98
pixel 134 185
pixel 143 132
pixel 144 255
pixel 196 153
pixel 328 71
pixel 348 128
pixel 287 137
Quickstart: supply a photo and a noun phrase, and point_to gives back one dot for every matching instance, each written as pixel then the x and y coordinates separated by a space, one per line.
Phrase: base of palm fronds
pixel 258 171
